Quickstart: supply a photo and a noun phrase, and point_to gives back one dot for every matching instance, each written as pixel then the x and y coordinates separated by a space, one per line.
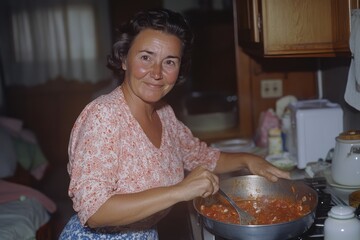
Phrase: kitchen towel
pixel 352 92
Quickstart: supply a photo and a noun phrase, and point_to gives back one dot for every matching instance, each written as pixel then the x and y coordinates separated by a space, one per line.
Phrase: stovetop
pixel 326 200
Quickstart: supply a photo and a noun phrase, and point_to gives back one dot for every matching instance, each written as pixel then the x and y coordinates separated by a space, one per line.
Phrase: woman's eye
pixel 145 57
pixel 170 62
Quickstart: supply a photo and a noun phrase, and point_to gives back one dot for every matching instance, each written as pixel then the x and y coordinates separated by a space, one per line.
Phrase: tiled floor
pixel 172 227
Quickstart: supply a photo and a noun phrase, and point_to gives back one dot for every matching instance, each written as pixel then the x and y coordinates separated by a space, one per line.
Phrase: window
pixel 48 39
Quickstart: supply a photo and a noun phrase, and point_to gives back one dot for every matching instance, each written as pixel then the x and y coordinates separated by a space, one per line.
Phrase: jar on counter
pixel 341 224
pixel 275 141
pixel 345 166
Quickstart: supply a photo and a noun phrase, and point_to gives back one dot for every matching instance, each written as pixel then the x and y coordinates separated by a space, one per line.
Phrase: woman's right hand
pixel 200 182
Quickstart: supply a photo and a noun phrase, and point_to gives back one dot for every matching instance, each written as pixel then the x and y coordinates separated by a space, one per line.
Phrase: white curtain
pixel 45 39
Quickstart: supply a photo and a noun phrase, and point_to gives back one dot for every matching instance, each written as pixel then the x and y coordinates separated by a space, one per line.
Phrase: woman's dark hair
pixel 163 20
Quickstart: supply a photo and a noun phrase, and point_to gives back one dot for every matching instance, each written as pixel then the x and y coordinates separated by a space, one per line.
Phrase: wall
pixel 298 76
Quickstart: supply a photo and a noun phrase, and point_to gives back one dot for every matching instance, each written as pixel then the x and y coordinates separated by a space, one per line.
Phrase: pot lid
pixel 350 135
pixel 341 212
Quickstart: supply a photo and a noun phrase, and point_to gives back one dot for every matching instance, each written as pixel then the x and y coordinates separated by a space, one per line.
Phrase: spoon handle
pixel 244 217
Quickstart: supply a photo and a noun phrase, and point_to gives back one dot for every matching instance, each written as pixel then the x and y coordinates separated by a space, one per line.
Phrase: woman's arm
pixel 124 209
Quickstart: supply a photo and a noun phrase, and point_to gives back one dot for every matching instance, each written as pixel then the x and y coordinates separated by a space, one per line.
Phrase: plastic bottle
pixel 341 224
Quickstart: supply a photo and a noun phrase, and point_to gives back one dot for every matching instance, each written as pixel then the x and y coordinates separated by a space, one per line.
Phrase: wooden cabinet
pixel 294 27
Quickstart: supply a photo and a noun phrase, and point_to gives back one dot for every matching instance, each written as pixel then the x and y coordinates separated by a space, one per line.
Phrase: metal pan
pixel 255 186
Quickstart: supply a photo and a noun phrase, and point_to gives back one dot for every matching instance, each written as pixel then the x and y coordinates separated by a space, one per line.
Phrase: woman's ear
pixel 123 65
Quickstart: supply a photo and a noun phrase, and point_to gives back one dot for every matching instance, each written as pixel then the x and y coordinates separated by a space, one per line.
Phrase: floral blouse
pixel 110 154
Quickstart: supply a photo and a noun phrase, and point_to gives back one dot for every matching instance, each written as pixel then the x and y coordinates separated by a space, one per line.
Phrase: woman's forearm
pixel 124 209
pixel 229 162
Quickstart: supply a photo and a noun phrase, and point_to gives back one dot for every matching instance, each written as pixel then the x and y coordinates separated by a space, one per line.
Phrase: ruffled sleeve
pixel 192 151
pixel 92 158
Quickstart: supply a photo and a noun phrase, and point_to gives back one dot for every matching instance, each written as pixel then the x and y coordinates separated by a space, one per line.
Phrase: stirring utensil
pixel 244 217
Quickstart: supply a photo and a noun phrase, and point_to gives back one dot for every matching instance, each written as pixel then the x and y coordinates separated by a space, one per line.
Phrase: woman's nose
pixel 156 72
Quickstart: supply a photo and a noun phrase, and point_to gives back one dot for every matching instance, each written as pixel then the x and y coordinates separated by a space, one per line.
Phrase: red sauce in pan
pixel 266 210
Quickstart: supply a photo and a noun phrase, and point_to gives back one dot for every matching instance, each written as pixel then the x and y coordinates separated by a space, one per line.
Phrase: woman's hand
pixel 198 183
pixel 260 166
pixel 229 162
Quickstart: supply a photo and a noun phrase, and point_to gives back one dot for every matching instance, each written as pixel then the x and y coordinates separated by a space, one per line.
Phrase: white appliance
pixel 314 126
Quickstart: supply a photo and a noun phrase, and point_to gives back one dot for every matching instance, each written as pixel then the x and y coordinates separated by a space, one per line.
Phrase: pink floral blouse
pixel 110 154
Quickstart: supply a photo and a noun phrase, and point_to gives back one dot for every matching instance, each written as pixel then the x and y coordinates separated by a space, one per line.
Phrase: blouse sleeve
pixel 193 151
pixel 92 159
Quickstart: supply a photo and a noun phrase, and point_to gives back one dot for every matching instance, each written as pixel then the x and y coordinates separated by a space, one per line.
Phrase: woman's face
pixel 152 65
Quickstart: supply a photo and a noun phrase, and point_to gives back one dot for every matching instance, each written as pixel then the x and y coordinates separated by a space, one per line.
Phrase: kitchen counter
pixel 211 137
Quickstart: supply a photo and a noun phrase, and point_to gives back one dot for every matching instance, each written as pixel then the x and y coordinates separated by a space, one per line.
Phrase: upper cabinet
pixel 285 28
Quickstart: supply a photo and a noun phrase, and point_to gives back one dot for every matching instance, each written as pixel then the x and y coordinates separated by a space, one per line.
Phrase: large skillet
pixel 252 185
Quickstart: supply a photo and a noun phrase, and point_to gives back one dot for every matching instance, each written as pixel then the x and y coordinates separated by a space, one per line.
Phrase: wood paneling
pixel 50 110
pixel 245 95
pixel 298 77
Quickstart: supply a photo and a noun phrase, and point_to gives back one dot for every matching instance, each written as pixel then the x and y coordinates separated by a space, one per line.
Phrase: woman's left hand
pixel 260 166
pixel 229 162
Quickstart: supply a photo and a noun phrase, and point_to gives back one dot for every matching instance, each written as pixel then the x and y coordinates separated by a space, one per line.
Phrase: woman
pixel 127 150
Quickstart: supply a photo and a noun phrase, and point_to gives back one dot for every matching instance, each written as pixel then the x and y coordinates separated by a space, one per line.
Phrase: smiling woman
pixel 128 152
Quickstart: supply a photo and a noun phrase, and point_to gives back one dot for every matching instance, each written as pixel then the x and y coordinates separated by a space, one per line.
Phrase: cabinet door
pixel 248 24
pixel 297 26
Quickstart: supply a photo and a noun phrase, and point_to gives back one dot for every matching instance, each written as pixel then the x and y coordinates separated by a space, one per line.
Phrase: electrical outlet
pixel 271 88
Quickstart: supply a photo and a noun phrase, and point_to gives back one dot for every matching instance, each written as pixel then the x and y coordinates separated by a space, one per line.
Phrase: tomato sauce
pixel 266 210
